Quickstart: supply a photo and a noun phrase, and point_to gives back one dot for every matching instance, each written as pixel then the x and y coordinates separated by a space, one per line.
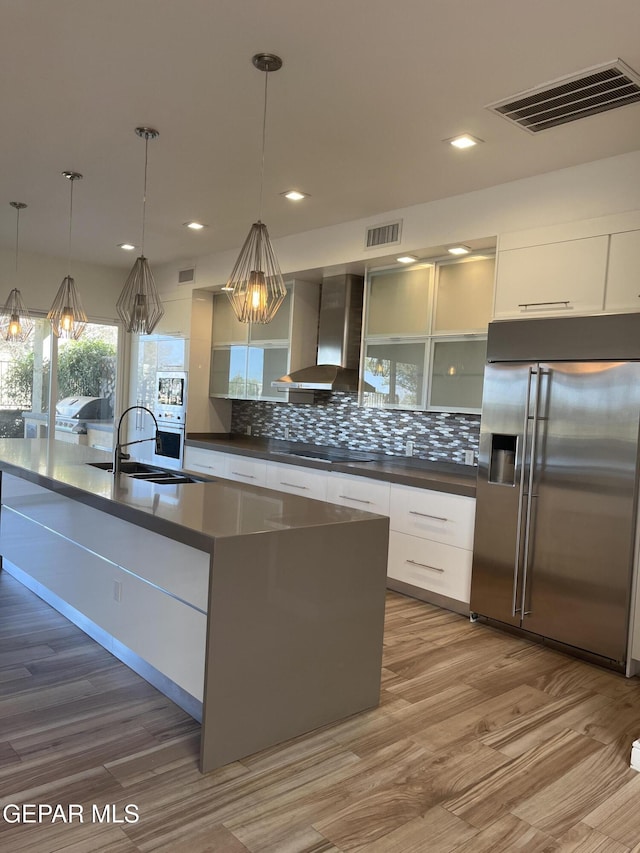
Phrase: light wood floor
pixel 482 742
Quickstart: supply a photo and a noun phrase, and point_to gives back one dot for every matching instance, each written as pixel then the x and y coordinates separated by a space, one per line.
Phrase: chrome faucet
pixel 118 455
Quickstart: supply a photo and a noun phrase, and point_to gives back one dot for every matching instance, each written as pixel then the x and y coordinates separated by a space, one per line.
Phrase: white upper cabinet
pixel 556 278
pixel 399 302
pixel 425 335
pixel 623 280
pixel 246 358
pixel 578 267
pixel 464 296
pixel 226 328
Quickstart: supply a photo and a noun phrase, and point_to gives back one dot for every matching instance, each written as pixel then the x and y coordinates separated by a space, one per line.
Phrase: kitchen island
pixel 261 613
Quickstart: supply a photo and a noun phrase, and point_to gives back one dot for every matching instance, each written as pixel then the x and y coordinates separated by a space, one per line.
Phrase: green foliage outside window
pixel 85 368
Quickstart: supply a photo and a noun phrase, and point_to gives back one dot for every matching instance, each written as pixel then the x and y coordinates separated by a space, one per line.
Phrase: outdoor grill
pixel 72 413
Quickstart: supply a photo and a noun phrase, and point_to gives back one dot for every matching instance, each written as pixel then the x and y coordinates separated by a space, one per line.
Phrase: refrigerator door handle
pixel 523 461
pixel 532 463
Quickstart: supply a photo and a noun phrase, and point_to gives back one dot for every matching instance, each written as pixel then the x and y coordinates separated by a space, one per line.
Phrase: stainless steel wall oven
pixel 170 409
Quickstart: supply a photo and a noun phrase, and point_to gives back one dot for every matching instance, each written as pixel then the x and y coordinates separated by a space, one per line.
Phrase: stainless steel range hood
pixel 338 339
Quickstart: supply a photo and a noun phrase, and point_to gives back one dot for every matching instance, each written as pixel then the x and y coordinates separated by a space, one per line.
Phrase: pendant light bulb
pixel 15 327
pixel 67 317
pixel 16 324
pixel 139 306
pixel 255 287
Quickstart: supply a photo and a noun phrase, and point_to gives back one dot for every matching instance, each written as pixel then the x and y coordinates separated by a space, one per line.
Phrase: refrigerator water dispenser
pixel 502 468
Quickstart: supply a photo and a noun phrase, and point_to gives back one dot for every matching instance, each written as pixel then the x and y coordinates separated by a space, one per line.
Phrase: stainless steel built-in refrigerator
pixel 556 494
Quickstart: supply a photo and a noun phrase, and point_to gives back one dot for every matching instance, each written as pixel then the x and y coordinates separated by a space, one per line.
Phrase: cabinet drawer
pixel 206 461
pixel 168 634
pixel 308 482
pixel 80 578
pixel 358 492
pixel 244 469
pixel 438 516
pixel 439 568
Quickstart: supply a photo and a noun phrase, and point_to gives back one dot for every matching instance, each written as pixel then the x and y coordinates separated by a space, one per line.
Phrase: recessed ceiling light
pixel 459 250
pixel 128 247
pixel 465 140
pixel 195 226
pixel 295 195
pixel 407 259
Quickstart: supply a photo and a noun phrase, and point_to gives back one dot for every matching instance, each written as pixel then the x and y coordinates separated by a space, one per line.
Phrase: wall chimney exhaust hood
pixel 339 330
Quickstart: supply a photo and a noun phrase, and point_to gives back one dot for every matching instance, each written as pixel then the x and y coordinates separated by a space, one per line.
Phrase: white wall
pixel 40 277
pixel 591 190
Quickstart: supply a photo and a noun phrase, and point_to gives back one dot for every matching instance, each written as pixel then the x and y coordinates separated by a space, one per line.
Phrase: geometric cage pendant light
pixel 139 306
pixel 15 323
pixel 255 287
pixel 66 315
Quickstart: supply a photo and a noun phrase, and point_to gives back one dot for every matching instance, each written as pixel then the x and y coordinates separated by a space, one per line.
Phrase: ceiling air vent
pixel 383 235
pixel 595 90
pixel 187 276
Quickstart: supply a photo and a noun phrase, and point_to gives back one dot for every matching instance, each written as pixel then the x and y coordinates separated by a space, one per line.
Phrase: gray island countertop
pixel 193 513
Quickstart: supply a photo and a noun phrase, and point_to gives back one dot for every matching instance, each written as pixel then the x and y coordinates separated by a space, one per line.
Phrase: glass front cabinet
pixel 246 358
pixel 425 335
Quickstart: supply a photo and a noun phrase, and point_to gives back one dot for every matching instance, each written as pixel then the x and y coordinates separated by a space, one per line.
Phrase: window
pixel 85 368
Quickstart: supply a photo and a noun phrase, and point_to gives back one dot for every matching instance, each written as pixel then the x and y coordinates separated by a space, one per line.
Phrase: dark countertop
pixel 438 476
pixel 195 513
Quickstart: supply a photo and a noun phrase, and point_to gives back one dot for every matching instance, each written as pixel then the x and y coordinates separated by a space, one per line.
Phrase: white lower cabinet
pixel 165 632
pixel 307 482
pixel 147 592
pixel 430 543
pixel 438 516
pixel 431 533
pixel 209 462
pixel 442 569
pixel 245 469
pixel 358 492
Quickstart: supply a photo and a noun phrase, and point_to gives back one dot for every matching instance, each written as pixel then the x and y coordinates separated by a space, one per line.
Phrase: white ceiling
pixel 357 115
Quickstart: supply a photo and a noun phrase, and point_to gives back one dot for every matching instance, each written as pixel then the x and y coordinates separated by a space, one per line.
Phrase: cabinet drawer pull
pixel 425 566
pixel 565 302
pixel 358 500
pixel 426 515
pixel 293 485
pixel 241 474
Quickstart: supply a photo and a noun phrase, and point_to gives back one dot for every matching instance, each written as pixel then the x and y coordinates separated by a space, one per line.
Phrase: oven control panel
pixel 169 416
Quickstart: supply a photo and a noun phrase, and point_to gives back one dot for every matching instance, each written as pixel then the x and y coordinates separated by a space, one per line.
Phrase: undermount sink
pixel 149 473
pixel 129 467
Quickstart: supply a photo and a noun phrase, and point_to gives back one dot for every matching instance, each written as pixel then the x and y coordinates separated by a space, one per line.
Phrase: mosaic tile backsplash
pixel 335 419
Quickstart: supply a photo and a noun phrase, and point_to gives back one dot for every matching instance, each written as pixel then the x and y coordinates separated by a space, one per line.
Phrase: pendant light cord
pixel 264 136
pixel 144 191
pixel 70 223
pixel 17 235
